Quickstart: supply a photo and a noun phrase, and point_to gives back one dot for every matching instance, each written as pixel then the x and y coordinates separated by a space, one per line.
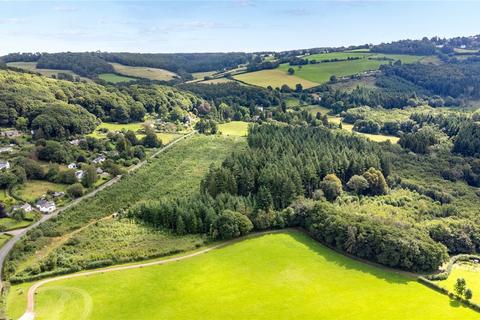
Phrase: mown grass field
pixel 278 276
pixel 234 128
pixel 144 72
pixel 176 172
pixel 115 78
pixel 275 78
pixel 471 274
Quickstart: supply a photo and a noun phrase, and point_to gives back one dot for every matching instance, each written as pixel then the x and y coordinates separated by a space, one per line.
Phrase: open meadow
pixel 234 128
pixel 468 271
pixel 144 72
pixel 274 78
pixel 32 66
pixel 114 78
pixel 276 276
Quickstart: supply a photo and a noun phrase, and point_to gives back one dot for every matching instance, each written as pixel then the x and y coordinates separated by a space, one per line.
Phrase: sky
pixel 225 26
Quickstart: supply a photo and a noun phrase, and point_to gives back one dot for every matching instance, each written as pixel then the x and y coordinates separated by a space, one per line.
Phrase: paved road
pixel 5 249
pixel 30 314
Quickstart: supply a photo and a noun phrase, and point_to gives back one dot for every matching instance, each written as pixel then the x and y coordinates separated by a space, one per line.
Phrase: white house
pixel 99 159
pixel 26 207
pixel 79 174
pixel 45 206
pixel 72 166
pixel 4 164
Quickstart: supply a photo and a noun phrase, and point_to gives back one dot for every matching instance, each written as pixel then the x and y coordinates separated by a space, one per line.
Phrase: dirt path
pixel 30 314
pixel 5 249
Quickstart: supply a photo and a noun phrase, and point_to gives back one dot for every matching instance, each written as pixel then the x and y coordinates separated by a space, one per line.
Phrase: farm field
pixel 202 75
pixel 349 127
pixel 174 173
pixel 315 74
pixel 320 73
pixel 234 128
pixel 32 66
pixel 219 80
pixel 144 72
pixel 471 274
pixel 288 275
pixel 34 189
pixel 115 78
pixel 274 78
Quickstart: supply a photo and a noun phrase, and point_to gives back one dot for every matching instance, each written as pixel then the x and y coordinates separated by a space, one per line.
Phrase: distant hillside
pixel 63 108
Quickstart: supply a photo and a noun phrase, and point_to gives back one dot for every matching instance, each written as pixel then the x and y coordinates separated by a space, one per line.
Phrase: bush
pixel 230 224
pixel 75 190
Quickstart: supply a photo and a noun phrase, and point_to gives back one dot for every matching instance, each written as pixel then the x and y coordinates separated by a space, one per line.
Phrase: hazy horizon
pixel 225 26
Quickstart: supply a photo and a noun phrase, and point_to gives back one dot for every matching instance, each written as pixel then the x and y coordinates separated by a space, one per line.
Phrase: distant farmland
pixel 32 66
pixel 311 75
pixel 274 78
pixel 144 72
pixel 115 78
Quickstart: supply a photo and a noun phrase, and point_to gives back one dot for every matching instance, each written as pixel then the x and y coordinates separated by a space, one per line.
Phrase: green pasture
pixel 278 276
pixel 234 128
pixel 115 78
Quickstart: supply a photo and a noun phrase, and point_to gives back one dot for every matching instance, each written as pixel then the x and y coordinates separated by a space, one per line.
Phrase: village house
pixel 4 164
pixel 45 206
pixel 72 166
pixel 25 207
pixel 99 159
pixel 79 174
pixel 5 149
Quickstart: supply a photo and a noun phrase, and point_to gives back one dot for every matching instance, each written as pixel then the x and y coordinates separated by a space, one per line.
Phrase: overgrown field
pixel 176 172
pixel 144 72
pixel 277 276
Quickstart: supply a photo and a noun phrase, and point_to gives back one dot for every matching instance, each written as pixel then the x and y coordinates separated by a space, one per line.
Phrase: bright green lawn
pixel 234 128
pixel 277 276
pixel 471 274
pixel 115 78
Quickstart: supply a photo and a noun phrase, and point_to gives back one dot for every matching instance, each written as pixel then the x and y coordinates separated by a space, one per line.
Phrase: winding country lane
pixel 5 249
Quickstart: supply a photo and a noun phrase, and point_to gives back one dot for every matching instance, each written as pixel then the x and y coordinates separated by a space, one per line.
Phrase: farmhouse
pixel 99 159
pixel 4 164
pixel 79 174
pixel 45 206
pixel 25 207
